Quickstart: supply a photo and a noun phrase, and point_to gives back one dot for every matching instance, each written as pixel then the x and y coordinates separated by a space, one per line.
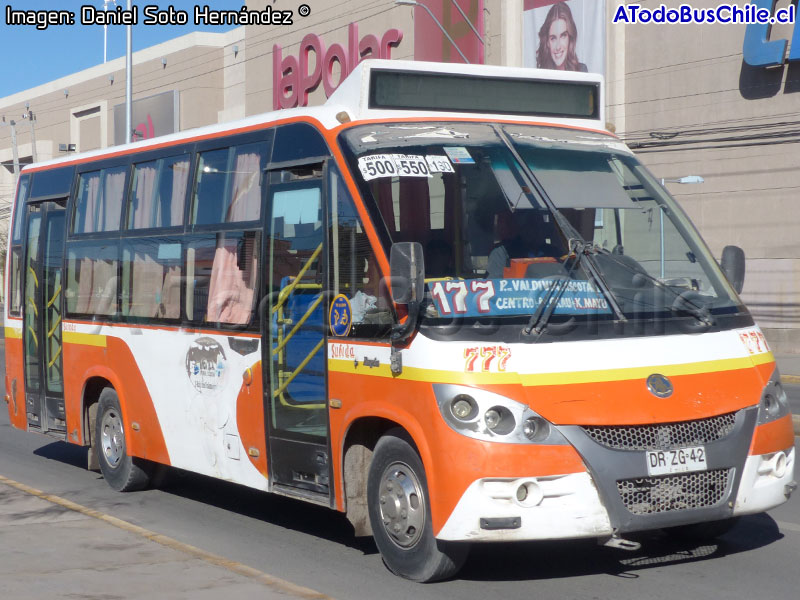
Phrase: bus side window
pixel 15 304
pixel 228 187
pixel 98 205
pixel 222 277
pixel 151 270
pixel 158 192
pixel 15 279
pixel 92 278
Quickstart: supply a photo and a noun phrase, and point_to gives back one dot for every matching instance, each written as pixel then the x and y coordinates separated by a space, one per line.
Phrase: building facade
pixel 692 99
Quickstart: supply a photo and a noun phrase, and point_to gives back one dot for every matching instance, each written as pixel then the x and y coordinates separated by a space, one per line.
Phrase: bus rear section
pixel 447 304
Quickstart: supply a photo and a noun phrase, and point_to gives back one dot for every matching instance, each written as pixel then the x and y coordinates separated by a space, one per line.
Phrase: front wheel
pixel 399 512
pixel 121 471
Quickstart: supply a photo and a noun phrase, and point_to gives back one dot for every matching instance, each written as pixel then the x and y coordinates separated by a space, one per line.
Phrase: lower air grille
pixel 666 436
pixel 671 493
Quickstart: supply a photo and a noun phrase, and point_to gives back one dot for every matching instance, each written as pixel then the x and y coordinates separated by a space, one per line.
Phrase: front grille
pixel 671 493
pixel 665 436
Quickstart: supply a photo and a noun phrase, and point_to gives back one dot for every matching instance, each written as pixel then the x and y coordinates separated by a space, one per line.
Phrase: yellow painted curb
pixel 790 378
pixel 279 585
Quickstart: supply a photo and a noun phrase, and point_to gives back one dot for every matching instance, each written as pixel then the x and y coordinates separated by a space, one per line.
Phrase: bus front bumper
pixel 528 508
pixel 767 481
pixel 569 506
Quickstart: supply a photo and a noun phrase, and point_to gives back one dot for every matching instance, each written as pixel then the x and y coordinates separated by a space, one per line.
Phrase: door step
pixel 303 494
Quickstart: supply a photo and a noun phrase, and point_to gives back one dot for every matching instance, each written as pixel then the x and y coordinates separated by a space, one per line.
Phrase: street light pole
pixel 435 20
pixel 128 81
pixel 31 119
pixel 682 180
pixel 14 150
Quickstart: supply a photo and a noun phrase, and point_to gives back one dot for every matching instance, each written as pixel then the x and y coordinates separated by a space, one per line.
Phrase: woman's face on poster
pixel 558 42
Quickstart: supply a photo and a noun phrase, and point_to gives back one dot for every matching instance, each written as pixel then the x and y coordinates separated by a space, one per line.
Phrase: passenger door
pixel 295 355
pixel 44 375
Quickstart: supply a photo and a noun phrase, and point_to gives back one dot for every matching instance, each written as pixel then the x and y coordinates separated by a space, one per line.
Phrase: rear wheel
pixel 122 472
pixel 399 512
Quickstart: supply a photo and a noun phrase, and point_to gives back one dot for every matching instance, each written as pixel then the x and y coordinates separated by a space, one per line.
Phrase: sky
pixel 31 56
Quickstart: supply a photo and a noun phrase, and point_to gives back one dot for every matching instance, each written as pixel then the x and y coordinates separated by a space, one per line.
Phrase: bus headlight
pixel 484 415
pixel 499 420
pixel 774 403
pixel 536 428
pixel 463 407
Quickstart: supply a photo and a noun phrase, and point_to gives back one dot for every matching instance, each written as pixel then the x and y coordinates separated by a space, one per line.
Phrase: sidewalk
pixel 52 547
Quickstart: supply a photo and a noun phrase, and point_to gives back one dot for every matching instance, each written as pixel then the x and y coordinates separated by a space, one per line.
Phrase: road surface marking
pixel 278 584
pixel 785 525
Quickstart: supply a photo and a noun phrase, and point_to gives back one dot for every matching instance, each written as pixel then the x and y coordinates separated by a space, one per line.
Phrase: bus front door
pixel 44 375
pixel 298 429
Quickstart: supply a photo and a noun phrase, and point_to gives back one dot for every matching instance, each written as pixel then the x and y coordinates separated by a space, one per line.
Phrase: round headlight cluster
pixel 488 416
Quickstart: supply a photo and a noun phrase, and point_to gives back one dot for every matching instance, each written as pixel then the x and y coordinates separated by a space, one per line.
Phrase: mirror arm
pixel 402 331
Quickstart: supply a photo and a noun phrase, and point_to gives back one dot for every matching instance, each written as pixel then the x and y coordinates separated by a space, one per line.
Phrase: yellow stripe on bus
pixel 540 379
pixel 84 339
pixel 13 333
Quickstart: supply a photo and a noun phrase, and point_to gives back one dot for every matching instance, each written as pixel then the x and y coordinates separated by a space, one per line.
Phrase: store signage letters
pixel 293 79
pixel 759 51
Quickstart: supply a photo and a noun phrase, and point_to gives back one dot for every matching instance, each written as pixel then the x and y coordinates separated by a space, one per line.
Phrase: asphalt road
pixel 315 547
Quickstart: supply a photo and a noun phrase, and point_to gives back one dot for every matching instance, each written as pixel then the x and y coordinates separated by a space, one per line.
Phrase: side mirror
pixel 732 264
pixel 407 267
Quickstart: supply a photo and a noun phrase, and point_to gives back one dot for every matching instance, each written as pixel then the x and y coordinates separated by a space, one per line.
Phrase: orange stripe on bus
pixel 250 419
pixel 773 437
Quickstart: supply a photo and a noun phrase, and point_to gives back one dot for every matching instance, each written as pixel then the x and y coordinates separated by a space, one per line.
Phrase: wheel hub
pixel 112 438
pixel 402 505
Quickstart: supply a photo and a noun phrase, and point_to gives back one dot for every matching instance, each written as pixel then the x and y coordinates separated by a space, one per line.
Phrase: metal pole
pixel 661 214
pixel 471 26
pixel 32 118
pixel 15 150
pixel 661 226
pixel 128 82
pixel 105 34
pixel 438 24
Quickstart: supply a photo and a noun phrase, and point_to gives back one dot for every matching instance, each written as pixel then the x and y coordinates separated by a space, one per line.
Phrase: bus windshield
pixel 581 225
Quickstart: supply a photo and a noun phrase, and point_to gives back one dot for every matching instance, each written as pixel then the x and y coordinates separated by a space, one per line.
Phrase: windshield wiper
pixel 683 301
pixel 581 253
pixel 544 311
pixel 584 251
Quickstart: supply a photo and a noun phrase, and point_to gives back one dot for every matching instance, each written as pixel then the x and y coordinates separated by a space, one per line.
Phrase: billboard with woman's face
pixel 567 35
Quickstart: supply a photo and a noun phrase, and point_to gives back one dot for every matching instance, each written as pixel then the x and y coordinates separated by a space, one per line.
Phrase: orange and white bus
pixel 448 303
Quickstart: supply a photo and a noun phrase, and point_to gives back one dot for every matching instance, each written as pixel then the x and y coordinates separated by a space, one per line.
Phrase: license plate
pixel 682 460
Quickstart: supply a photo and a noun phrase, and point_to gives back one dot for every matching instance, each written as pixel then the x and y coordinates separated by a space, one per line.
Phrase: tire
pixel 122 472
pixel 698 532
pixel 399 512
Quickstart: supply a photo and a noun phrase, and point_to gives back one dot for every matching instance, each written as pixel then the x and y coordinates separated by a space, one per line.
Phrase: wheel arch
pixel 94 381
pixel 359 441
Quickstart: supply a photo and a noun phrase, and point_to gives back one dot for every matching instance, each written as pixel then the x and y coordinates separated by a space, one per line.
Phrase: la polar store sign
pixel 293 78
